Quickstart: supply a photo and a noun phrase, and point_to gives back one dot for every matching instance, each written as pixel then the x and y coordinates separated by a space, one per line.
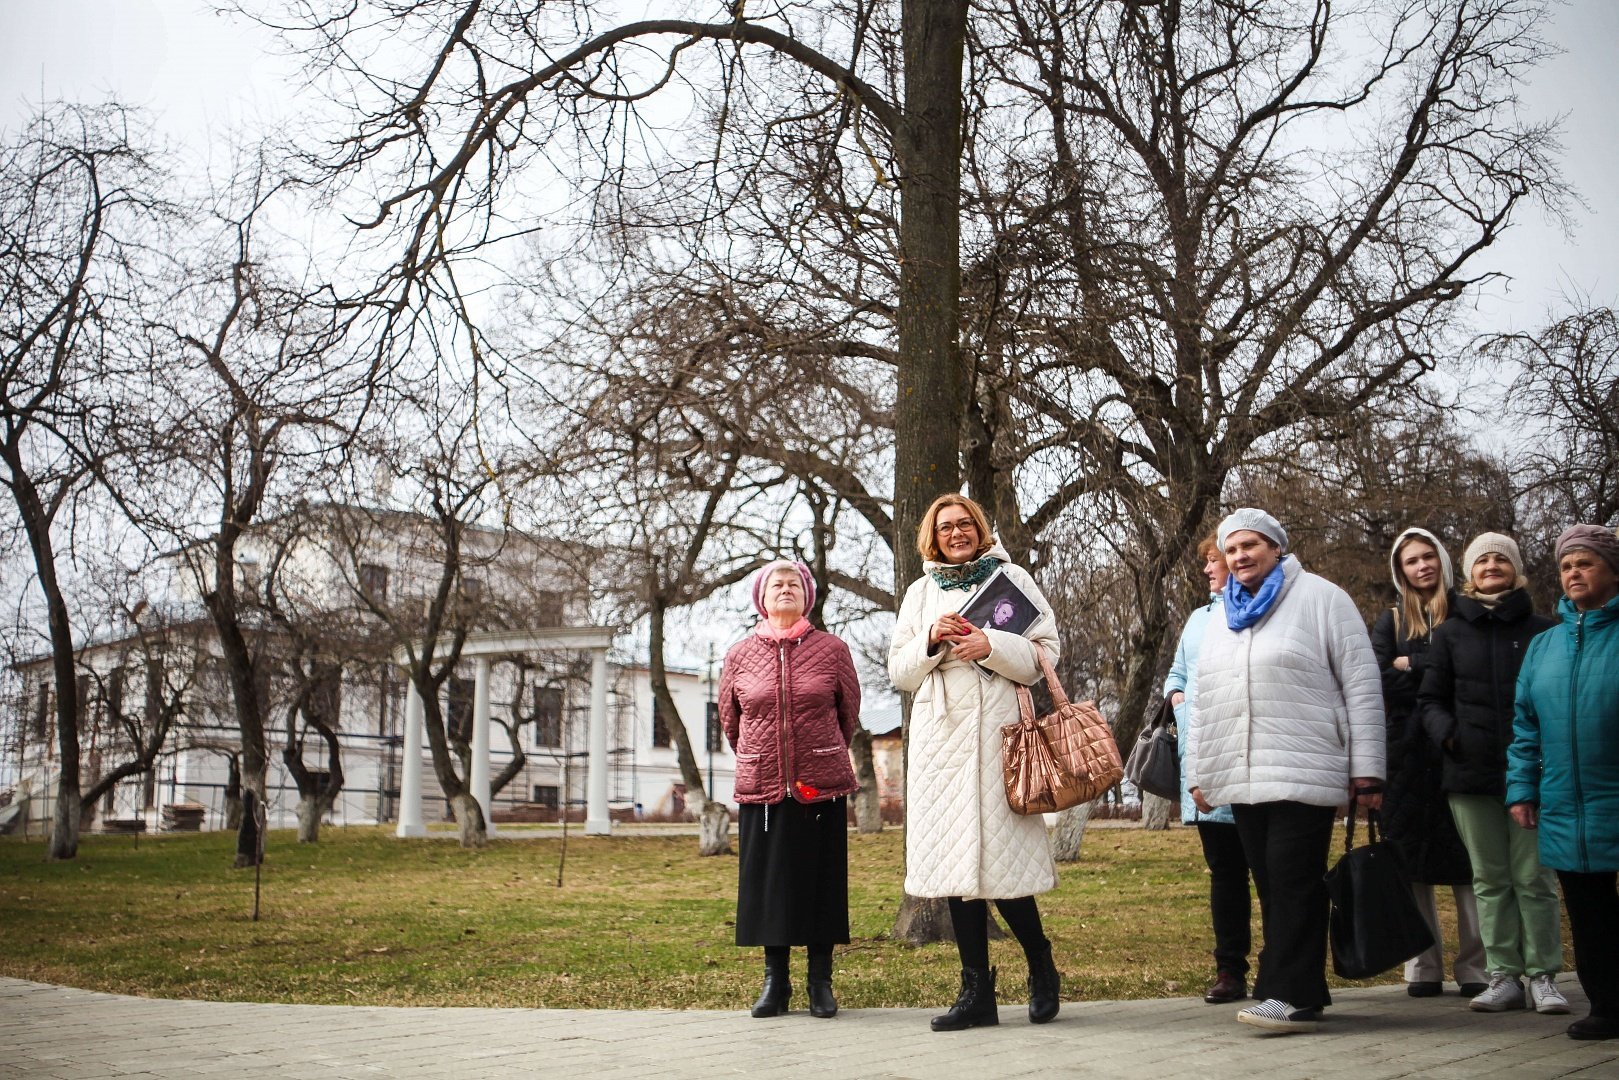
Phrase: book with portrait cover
pixel 1000 605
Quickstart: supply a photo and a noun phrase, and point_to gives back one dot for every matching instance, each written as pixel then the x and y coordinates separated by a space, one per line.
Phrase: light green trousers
pixel 1518 915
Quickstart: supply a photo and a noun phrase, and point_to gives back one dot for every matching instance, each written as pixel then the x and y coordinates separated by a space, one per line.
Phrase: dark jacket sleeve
pixel 1397 684
pixel 1437 697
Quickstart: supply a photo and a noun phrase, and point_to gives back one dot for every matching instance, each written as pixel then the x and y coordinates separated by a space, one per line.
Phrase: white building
pixel 347 584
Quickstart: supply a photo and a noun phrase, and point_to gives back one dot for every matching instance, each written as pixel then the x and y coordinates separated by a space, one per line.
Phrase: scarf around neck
pixel 964 575
pixel 776 633
pixel 1244 608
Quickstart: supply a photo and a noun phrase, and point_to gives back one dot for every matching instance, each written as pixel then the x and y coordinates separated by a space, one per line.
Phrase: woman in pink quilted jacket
pixel 789 703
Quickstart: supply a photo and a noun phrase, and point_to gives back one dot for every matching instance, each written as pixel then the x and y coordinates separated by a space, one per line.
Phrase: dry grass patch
pixel 640 922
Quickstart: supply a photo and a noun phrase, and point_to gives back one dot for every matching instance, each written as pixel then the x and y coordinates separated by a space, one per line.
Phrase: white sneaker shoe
pixel 1278 1016
pixel 1547 998
pixel 1504 992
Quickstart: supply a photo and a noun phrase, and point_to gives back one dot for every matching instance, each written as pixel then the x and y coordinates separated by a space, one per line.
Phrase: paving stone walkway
pixel 1379 1032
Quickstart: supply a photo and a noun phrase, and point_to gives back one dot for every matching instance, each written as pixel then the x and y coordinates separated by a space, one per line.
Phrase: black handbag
pixel 1154 766
pixel 1375 923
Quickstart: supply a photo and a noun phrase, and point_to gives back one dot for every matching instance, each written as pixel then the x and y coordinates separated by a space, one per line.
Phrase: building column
pixel 480 740
pixel 410 780
pixel 597 823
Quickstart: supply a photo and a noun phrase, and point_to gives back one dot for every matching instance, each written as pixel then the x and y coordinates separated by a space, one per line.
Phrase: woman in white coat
pixel 1287 728
pixel 962 840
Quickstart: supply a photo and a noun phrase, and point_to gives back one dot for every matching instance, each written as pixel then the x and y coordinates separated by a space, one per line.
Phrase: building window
pixel 716 739
pixel 42 712
pixel 115 695
pixel 547 716
pixel 660 725
pixel 374 583
pixel 458 714
pixel 83 687
pixel 472 589
pixel 546 795
pixel 550 608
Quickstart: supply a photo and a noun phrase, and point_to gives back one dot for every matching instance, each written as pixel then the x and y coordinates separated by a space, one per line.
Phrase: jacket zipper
pixel 781 727
pixel 1574 739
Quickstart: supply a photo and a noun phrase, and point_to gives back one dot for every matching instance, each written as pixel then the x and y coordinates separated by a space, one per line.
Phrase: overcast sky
pixel 203 75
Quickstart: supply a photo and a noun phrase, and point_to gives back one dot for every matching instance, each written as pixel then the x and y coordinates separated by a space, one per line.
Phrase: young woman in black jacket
pixel 1416 816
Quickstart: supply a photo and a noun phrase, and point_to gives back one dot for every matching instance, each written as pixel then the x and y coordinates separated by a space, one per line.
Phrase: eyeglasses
pixel 965 525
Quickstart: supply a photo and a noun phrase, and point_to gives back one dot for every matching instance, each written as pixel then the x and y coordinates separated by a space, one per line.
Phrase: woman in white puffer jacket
pixel 1288 728
pixel 962 840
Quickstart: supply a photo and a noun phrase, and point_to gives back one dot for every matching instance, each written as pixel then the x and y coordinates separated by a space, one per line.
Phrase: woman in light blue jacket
pixel 1230 903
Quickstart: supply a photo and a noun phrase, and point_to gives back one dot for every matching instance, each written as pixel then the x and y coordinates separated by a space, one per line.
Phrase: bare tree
pixel 1566 396
pixel 165 660
pixel 77 199
pixel 266 401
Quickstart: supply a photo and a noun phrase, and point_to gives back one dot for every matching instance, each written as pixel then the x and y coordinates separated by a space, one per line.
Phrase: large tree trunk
pixel 1069 835
pixel 470 827
pixel 36 522
pixel 1155 812
pixel 931 400
pixel 868 801
pixel 714 830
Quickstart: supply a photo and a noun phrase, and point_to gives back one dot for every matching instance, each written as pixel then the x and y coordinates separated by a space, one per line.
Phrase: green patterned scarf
pixel 964 575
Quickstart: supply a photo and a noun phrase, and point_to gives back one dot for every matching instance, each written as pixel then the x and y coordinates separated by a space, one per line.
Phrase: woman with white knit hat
pixel 1287 728
pixel 1467 700
pixel 1416 817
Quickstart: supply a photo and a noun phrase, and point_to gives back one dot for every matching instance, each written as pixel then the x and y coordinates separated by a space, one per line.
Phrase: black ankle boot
pixel 975 1007
pixel 1045 987
pixel 778 988
pixel 822 1003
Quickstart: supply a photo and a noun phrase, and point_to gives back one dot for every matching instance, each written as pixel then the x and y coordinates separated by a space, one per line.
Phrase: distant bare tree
pixel 78 202
pixel 1566 397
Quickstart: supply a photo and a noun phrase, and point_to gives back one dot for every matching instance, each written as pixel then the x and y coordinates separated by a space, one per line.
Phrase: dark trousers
pixel 970 921
pixel 1592 901
pixel 1286 845
pixel 1230 903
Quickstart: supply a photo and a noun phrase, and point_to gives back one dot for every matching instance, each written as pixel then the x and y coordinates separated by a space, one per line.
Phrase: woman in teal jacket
pixel 1563 764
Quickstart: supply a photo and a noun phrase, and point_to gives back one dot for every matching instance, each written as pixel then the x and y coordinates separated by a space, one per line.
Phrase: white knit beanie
pixel 1484 543
pixel 1253 520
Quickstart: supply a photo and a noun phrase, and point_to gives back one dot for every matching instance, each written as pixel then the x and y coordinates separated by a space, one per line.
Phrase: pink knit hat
pixel 763 576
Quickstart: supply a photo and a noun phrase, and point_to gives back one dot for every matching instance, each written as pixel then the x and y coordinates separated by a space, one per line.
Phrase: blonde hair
pixel 1413 610
pixel 1210 545
pixel 927 541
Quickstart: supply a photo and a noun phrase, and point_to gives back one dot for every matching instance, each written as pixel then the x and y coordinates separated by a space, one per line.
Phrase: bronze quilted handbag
pixel 1062 759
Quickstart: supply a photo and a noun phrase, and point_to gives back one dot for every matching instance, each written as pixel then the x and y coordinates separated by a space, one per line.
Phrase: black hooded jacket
pixel 1468 685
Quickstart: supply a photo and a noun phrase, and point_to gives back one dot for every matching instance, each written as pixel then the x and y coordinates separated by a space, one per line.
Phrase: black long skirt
pixel 793 878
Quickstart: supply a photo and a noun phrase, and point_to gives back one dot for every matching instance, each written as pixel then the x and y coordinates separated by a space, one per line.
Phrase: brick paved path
pixel 50 1031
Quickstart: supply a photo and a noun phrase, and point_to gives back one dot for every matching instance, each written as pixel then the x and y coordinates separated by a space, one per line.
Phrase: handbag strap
pixel 1025 704
pixel 1058 696
pixel 1374 826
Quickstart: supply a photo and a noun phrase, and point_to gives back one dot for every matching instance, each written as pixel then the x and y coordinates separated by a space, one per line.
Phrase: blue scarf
pixel 1243 608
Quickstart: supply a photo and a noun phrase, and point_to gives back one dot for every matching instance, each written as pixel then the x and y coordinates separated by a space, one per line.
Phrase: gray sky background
pixel 204 75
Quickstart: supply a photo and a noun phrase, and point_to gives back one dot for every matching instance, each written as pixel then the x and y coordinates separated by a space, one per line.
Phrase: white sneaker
pixel 1504 992
pixel 1278 1016
pixel 1547 998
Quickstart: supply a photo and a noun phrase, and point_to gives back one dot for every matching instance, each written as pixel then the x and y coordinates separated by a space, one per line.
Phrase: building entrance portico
pixel 483 649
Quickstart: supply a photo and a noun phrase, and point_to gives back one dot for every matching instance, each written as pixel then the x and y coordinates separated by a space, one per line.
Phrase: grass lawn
pixel 640 922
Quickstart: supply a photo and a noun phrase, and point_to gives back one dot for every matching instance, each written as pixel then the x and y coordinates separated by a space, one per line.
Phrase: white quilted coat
pixel 1291 707
pixel 961 837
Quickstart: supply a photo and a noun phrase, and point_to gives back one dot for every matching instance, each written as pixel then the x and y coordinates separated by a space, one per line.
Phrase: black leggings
pixel 970 920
